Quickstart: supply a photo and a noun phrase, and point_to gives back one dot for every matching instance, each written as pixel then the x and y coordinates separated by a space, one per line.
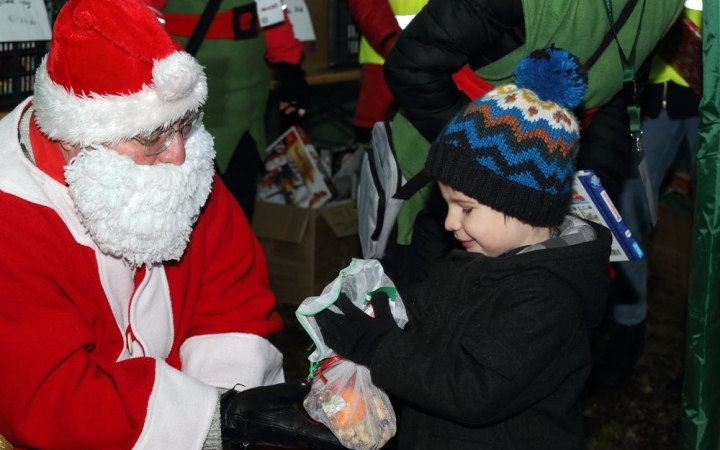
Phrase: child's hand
pixel 354 334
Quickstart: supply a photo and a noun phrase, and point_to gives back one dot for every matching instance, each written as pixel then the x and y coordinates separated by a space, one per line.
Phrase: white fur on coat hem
pixel 225 360
pixel 179 413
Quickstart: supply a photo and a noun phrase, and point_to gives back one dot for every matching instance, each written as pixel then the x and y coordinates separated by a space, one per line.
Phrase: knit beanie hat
pixel 514 148
pixel 113 71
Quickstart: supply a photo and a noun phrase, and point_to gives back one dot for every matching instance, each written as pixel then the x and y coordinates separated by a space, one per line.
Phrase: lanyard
pixel 633 108
pixel 629 83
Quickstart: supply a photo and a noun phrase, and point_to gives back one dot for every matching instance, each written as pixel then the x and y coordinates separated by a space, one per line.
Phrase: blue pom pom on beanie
pixel 553 75
pixel 514 148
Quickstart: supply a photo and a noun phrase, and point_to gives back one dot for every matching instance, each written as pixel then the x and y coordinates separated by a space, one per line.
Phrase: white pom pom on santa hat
pixel 113 71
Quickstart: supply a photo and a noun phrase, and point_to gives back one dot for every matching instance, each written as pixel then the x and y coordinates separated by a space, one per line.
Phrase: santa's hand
pixel 273 416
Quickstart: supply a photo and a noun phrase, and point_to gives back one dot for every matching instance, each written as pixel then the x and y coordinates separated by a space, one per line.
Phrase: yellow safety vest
pixel 404 11
pixel 661 71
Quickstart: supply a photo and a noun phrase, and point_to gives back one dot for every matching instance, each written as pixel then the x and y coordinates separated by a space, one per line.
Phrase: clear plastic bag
pixel 343 397
pixel 345 400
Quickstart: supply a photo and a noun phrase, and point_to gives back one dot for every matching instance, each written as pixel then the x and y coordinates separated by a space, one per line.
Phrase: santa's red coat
pixel 95 355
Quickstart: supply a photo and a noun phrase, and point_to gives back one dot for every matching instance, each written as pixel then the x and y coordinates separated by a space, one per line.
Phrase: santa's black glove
pixel 273 416
pixel 354 334
pixel 293 90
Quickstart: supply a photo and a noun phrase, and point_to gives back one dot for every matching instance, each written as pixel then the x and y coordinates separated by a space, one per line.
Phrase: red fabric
pixel 62 384
pixel 376 21
pixel 107 47
pixel 470 84
pixel 611 272
pixel 282 45
pixel 220 28
pixel 48 157
pixel 375 102
pixel 586 118
pixel 156 4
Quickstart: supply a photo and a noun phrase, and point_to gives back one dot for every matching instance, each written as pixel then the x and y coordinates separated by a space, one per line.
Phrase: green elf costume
pixel 235 53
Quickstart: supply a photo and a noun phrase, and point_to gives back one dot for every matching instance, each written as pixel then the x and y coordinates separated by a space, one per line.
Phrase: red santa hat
pixel 113 71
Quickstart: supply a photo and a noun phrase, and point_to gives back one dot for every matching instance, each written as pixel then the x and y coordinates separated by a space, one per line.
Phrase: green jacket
pixel 578 27
pixel 238 83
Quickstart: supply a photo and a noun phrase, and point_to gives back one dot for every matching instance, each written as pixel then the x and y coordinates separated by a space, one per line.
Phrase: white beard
pixel 141 213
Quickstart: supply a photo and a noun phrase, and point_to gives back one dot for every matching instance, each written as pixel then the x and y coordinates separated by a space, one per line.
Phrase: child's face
pixel 481 229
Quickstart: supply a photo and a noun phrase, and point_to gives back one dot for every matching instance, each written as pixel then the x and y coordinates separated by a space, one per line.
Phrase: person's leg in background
pixel 661 141
pixel 375 102
pixel 242 172
pixel 606 147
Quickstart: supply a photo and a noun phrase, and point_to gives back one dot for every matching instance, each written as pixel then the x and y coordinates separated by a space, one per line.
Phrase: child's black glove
pixel 273 416
pixel 355 335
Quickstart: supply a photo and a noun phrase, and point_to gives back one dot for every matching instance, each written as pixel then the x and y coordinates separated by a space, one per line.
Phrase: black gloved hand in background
pixel 273 416
pixel 355 335
pixel 293 90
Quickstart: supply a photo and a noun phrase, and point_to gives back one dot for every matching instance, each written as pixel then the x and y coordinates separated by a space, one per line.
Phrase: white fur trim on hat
pixel 179 86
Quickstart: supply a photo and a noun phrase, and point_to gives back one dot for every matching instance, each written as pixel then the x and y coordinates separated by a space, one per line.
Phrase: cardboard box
pixel 306 248
pixel 670 250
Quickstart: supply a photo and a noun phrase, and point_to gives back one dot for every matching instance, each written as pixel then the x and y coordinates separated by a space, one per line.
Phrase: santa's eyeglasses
pixel 159 140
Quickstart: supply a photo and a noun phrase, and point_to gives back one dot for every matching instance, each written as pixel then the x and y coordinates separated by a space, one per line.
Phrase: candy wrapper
pixel 343 397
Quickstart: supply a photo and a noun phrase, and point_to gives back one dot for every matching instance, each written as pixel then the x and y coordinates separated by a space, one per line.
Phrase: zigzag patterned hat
pixel 514 148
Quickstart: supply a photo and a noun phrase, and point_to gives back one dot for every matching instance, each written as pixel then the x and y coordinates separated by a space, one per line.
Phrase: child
pixel 496 352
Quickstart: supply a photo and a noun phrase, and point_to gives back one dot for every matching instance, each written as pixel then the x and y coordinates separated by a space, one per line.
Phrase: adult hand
pixel 273 416
pixel 354 334
pixel 293 90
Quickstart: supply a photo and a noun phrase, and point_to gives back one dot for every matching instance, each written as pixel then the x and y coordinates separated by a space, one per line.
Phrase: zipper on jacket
pixel 130 337
pixel 664 95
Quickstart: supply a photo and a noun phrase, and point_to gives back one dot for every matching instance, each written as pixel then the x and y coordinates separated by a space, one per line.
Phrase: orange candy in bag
pixel 343 398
